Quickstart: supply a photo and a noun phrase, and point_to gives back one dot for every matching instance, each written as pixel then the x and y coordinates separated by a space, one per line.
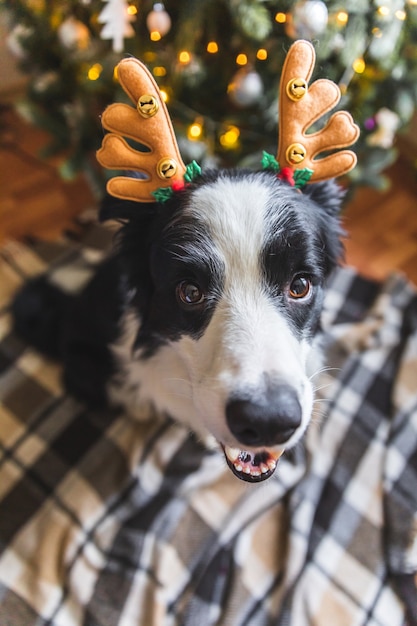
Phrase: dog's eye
pixel 300 287
pixel 190 293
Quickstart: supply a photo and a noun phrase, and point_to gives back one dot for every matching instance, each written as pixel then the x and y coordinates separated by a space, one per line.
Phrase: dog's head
pixel 228 280
pixel 227 268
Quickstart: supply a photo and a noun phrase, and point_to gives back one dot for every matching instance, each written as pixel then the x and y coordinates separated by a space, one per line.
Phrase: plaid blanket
pixel 106 521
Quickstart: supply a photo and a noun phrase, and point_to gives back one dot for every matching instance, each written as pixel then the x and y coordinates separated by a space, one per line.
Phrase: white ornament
pixel 388 123
pixel 309 19
pixel 158 20
pixel 15 41
pixel 246 88
pixel 192 73
pixel 116 20
pixel 73 34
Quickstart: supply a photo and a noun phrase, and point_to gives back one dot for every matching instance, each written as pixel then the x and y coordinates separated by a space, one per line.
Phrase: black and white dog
pixel 207 309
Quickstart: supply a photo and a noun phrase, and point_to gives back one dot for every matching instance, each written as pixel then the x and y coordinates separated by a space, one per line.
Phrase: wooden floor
pixel 382 227
pixel 34 200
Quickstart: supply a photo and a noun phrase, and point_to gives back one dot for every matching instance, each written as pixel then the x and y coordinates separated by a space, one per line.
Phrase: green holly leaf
pixel 192 171
pixel 269 162
pixel 301 177
pixel 163 194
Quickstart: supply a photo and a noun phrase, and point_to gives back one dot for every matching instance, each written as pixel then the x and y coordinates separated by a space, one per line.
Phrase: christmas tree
pixel 218 64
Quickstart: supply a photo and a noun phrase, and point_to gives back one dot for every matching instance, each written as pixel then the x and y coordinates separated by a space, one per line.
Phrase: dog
pixel 208 309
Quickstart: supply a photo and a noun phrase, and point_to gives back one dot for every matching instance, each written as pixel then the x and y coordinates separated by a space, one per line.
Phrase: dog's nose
pixel 265 422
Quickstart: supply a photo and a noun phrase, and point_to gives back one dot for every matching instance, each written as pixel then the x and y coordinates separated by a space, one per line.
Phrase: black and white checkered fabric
pixel 106 521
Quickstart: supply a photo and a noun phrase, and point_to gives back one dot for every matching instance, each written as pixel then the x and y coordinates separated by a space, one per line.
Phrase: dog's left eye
pixel 300 287
pixel 190 293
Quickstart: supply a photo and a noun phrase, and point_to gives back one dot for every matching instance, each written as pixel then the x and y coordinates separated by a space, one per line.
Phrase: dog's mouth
pixel 253 467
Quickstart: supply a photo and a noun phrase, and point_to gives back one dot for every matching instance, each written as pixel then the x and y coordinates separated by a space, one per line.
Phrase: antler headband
pixel 149 123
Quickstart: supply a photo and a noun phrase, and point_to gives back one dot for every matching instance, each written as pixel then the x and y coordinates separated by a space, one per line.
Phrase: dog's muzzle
pixel 261 426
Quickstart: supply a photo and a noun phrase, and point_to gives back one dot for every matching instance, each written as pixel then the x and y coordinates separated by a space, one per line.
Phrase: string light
pixel 384 11
pixel 359 66
pixel 281 18
pixel 342 17
pixel 195 131
pixel 95 71
pixel 149 57
pixel 159 71
pixel 132 10
pixel 155 35
pixel 55 20
pixel 241 59
pixel 212 47
pixel 230 139
pixel 184 57
pixel 377 32
pixel 400 15
pixel 262 54
pixel 164 94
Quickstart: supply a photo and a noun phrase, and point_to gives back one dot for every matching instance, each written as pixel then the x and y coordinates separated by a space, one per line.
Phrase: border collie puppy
pixel 207 310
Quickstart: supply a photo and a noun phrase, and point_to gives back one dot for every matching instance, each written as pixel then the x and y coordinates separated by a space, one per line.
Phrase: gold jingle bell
pixel 147 106
pixel 166 168
pixel 296 88
pixel 296 153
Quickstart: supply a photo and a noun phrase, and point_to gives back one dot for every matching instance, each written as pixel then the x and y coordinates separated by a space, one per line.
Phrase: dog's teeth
pixel 258 465
pixel 232 453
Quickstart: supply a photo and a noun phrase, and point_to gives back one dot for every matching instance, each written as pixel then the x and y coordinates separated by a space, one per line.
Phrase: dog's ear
pixel 328 198
pixel 327 194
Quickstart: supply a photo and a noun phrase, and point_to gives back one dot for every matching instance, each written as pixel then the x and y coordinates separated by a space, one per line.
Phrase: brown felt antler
pixel 149 124
pixel 300 106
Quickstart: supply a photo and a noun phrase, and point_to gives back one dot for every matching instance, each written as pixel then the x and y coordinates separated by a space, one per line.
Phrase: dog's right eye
pixel 189 293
